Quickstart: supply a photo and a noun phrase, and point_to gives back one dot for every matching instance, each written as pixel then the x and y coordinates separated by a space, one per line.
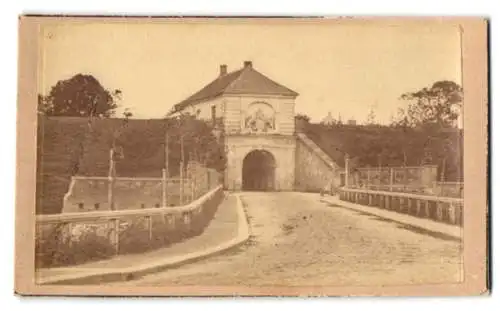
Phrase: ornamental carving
pixel 260 118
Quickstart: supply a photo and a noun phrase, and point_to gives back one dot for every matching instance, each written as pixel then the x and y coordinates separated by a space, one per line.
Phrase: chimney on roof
pixel 247 64
pixel 223 70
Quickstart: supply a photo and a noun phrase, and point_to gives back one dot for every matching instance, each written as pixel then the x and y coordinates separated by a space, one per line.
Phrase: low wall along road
pixel 73 238
pixel 441 209
pixel 91 194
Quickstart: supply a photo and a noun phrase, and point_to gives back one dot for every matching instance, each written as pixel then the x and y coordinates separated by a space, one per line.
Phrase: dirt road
pixel 298 240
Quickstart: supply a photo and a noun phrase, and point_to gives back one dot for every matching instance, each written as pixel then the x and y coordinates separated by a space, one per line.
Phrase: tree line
pixel 425 132
pixel 84 96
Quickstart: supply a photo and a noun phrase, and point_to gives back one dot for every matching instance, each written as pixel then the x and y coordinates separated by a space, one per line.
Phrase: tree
pixel 302 117
pixel 301 122
pixel 370 120
pixel 80 96
pixel 434 106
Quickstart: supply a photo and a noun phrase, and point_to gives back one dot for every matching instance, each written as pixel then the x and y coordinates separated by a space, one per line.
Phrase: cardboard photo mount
pixel 475 234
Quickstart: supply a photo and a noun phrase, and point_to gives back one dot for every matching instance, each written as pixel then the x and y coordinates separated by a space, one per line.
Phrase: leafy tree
pixel 302 117
pixel 143 145
pixel 434 106
pixel 79 96
pixel 301 121
pixel 199 142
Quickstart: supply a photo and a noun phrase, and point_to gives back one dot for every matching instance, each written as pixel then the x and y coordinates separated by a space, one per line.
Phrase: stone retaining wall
pixel 75 238
pixel 91 193
pixel 314 170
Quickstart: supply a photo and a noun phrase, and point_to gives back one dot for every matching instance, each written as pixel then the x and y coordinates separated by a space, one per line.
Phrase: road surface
pixel 298 240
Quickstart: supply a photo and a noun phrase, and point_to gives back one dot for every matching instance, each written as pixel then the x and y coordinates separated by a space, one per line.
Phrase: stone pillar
pixel 346 183
pixel 428 176
pixel 439 211
pixel 452 214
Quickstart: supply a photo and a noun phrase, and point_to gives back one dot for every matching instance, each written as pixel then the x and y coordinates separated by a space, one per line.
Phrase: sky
pixel 342 67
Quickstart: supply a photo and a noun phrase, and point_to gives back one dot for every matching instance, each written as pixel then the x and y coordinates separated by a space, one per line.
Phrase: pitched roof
pixel 243 81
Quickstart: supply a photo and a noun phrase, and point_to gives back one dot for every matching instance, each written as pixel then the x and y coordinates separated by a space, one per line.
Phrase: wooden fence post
pixel 111 180
pixel 391 178
pixel 192 190
pixel 164 187
pixel 181 190
pixel 150 227
pixel 346 171
pixel 116 235
pixel 369 180
pixel 69 229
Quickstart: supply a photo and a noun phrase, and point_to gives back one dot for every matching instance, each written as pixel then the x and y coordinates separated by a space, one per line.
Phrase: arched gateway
pixel 258 172
pixel 257 116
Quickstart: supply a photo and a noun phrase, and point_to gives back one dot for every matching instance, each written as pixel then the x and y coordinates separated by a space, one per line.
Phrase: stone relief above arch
pixel 260 117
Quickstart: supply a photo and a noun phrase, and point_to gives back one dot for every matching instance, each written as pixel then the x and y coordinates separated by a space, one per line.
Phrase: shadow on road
pixel 401 225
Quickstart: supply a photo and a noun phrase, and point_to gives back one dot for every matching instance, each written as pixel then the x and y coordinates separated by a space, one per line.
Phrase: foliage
pixel 303 117
pixel 198 140
pixel 80 96
pixel 55 247
pixel 435 106
pixel 145 150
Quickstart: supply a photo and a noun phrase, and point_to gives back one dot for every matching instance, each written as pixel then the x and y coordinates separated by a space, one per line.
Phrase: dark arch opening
pixel 259 171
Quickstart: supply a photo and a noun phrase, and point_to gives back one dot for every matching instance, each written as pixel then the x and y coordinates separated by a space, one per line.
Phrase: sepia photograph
pixel 252 156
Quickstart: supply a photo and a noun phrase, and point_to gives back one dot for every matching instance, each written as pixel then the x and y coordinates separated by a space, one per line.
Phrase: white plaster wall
pixel 282 148
pixel 205 109
pixel 236 107
pixel 130 193
pixel 280 143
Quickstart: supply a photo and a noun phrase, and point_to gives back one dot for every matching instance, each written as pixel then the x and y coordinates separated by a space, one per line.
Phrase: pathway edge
pixel 131 273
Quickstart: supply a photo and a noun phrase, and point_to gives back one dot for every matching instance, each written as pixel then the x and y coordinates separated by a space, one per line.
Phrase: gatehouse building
pixel 258 118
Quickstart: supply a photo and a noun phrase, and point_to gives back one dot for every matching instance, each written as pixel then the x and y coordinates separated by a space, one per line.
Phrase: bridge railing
pixel 449 189
pixel 73 238
pixel 442 209
pixel 444 189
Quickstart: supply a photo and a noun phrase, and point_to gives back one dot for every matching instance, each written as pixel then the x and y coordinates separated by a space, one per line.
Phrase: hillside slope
pixel 371 144
pixel 67 147
pixel 58 142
